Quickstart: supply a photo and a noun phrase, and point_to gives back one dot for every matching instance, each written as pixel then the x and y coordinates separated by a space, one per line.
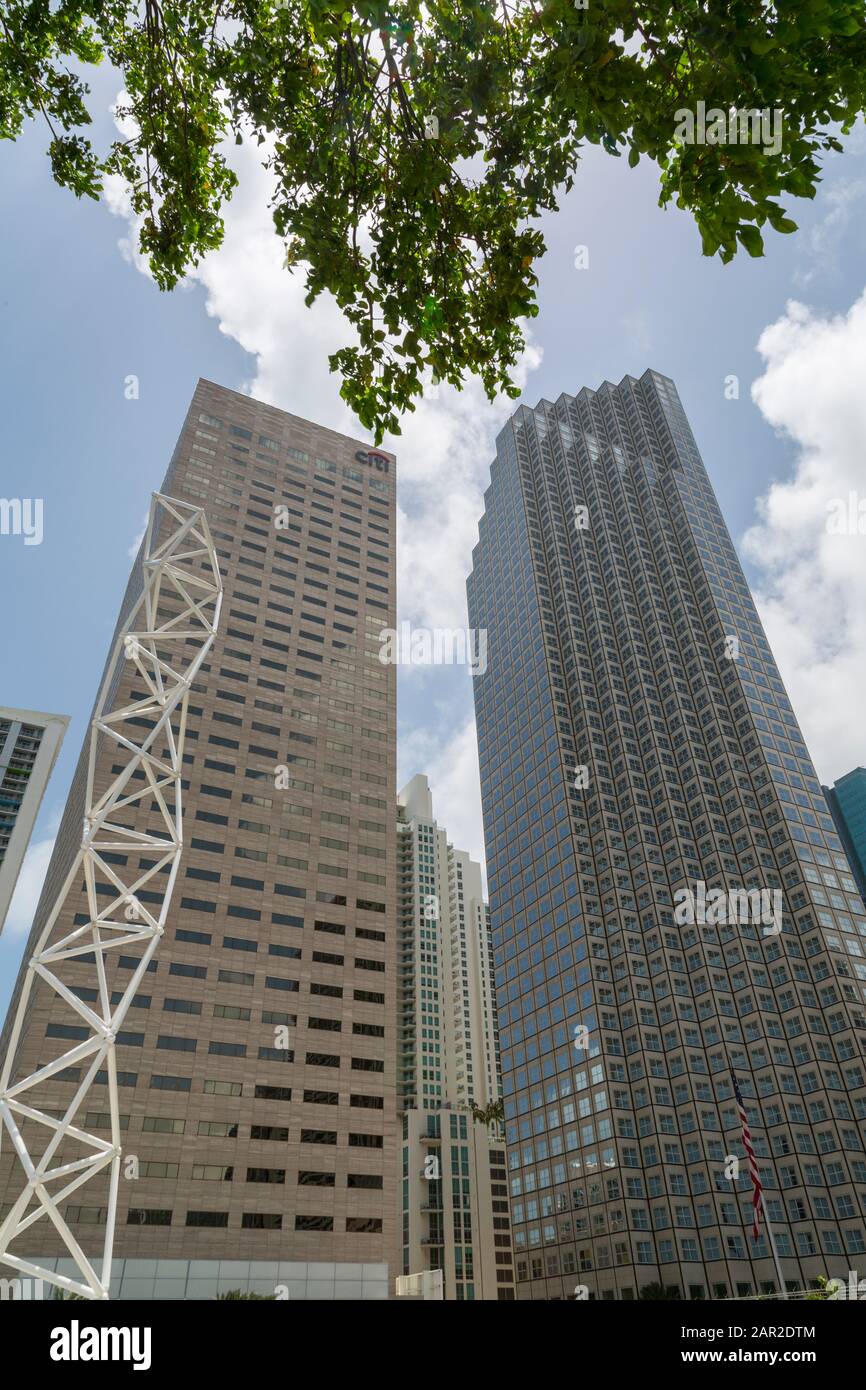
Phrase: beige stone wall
pixel 338 528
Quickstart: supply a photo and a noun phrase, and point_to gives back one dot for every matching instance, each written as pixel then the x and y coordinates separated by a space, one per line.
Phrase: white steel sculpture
pixel 165 638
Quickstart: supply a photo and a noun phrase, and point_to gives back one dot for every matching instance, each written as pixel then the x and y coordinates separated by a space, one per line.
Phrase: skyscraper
pixel 29 744
pixel 847 801
pixel 259 1063
pixel 640 760
pixel 453 1197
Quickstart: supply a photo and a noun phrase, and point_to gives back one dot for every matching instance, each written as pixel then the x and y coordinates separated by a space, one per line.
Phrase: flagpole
pixel 756 1177
pixel 776 1262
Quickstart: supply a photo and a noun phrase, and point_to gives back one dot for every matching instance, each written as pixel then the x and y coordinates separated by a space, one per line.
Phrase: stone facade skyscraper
pixel 258 1066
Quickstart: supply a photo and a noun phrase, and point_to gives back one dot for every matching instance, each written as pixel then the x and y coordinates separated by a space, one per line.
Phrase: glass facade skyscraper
pixel 847 801
pixel 637 752
pixel 29 745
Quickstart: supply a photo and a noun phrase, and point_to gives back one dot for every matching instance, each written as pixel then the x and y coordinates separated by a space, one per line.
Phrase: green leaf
pixel 417 228
pixel 752 240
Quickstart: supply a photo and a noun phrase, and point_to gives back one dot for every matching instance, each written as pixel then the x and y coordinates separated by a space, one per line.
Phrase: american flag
pixel 753 1162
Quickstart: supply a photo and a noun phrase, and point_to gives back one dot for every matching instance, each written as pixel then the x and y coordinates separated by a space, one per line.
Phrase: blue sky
pixel 79 317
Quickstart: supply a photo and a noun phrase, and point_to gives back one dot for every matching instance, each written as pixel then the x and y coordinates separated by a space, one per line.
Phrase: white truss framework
pixel 180 566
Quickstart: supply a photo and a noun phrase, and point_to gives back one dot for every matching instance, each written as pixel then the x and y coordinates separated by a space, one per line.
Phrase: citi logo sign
pixel 77 1343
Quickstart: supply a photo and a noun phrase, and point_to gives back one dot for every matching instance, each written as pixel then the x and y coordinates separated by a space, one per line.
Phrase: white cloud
pixel 822 241
pixel 19 918
pixel 812 588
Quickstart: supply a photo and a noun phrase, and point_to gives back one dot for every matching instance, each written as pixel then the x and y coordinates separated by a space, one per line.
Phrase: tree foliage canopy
pixel 414 145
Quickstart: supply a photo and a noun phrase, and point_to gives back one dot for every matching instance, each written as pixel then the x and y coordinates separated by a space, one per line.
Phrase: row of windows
pixel 722 1213
pixel 227 1011
pixel 222 1172
pixel 250 1221
pixel 262 1091
pixel 169 1043
pixel 709 1249
pixel 199 972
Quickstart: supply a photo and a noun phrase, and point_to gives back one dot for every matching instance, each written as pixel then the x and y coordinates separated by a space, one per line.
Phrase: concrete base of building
pixel 204 1280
